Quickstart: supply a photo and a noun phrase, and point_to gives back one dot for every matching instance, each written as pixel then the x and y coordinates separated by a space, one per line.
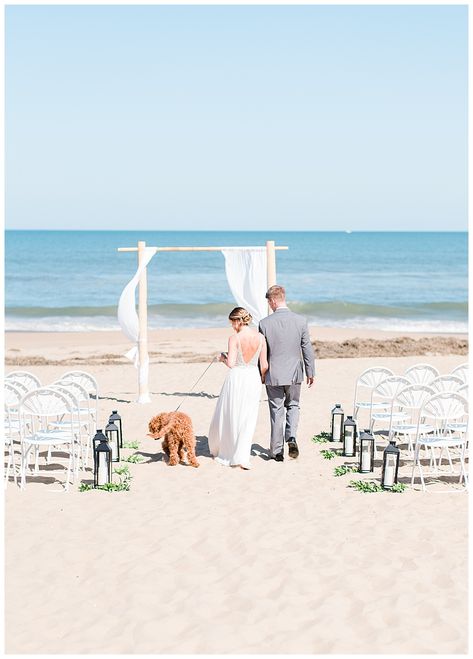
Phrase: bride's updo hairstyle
pixel 241 314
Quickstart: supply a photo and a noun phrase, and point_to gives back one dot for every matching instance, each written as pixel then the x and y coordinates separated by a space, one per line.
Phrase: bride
pixel 234 420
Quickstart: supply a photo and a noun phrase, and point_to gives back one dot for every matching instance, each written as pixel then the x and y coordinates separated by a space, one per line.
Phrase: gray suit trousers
pixel 284 412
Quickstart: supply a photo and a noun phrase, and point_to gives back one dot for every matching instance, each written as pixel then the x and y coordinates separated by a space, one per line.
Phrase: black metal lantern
pixel 391 457
pixel 349 437
pixel 337 423
pixel 102 460
pixel 117 420
pixel 366 452
pixel 113 437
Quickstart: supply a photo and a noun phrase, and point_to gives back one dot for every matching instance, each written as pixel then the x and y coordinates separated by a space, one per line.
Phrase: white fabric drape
pixel 246 271
pixel 129 322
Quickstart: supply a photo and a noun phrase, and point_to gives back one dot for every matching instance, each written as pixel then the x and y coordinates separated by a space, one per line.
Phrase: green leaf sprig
pixel 399 487
pixel 133 445
pixel 136 458
pixel 321 438
pixel 328 455
pixel 366 486
pixel 344 469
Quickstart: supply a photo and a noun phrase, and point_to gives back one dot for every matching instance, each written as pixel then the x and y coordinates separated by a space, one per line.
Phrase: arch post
pixel 270 265
pixel 143 391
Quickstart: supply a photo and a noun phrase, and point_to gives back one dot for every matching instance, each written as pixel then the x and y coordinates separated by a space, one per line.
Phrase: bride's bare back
pixel 249 343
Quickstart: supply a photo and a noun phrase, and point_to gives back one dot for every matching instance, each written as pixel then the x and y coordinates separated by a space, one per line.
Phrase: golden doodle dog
pixel 178 436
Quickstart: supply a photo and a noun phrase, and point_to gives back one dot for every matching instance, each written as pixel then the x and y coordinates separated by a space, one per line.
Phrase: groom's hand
pixel 310 382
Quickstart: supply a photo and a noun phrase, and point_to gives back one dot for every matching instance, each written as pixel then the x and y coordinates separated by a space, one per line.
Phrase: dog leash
pixel 195 383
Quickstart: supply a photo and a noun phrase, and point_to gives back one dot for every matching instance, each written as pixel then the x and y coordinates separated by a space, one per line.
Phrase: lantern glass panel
pixel 337 426
pixel 103 471
pixel 337 423
pixel 365 456
pixel 348 441
pixel 113 437
pixel 117 420
pixel 390 470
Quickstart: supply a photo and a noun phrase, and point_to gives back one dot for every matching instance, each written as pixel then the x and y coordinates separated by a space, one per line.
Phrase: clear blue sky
pixel 236 117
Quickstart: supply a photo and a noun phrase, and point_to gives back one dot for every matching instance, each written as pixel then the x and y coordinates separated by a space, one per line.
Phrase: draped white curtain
pixel 129 322
pixel 246 272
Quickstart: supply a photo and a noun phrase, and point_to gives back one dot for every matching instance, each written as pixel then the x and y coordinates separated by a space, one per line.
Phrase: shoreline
pixel 200 345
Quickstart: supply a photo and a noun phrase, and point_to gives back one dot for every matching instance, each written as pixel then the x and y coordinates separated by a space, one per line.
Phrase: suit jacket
pixel 289 348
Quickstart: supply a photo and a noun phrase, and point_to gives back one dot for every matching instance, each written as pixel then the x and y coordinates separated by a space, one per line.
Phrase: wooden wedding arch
pixel 271 249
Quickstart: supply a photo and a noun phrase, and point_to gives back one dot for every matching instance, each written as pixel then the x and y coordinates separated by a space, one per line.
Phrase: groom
pixel 289 353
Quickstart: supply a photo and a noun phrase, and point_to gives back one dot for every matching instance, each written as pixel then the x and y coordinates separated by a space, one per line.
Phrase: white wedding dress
pixel 234 420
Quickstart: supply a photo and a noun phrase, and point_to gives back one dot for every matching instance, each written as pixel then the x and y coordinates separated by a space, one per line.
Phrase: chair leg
pixel 24 464
pixel 463 471
pixel 7 471
pixel 72 460
pixel 409 445
pixel 36 459
pixel 87 446
pixel 417 462
pixel 433 464
pixel 68 472
pixel 452 470
pixel 76 450
pixel 13 464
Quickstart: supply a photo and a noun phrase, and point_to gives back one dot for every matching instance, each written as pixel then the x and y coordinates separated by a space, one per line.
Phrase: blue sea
pixel 72 280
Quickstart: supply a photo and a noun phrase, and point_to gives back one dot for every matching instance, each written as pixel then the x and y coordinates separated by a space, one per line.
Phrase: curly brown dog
pixel 176 429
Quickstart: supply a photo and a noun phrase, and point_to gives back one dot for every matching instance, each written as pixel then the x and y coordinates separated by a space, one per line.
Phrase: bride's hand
pixel 222 357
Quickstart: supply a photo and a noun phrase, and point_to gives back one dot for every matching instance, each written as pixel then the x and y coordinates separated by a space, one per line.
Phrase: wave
pixel 451 317
pixel 329 309
pixel 103 323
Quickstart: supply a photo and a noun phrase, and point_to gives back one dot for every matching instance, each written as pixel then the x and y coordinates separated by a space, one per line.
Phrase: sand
pixel 284 558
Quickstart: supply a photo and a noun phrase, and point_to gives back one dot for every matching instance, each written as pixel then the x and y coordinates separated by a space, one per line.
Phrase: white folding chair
pixel 12 396
pixel 411 400
pixel 461 372
pixel 445 383
pixel 366 382
pixel 386 391
pixel 24 378
pixel 84 419
pixel 421 374
pixel 89 383
pixel 442 409
pixel 37 409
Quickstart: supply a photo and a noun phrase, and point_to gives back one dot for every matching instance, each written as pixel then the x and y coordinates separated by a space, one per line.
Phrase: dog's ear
pixel 152 424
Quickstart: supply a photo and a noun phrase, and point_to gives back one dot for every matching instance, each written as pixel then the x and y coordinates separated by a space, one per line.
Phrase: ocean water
pixel 72 280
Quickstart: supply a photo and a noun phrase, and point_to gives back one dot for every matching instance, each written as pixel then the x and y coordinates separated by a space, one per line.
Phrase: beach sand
pixel 284 558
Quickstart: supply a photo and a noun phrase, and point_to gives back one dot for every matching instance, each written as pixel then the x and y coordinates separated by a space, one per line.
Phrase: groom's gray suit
pixel 290 352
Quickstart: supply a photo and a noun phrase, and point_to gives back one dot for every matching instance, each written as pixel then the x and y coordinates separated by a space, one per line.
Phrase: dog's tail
pixel 164 431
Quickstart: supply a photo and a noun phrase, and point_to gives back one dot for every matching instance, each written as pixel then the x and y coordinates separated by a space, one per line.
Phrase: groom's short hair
pixel 276 293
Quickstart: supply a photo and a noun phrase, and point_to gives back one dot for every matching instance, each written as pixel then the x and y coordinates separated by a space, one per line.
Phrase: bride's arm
pixel 263 360
pixel 230 360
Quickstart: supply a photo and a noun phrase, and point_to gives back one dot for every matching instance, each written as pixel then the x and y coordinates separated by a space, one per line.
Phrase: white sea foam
pixel 107 323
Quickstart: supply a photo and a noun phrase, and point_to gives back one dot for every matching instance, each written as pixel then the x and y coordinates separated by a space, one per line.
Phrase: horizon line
pixel 346 231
